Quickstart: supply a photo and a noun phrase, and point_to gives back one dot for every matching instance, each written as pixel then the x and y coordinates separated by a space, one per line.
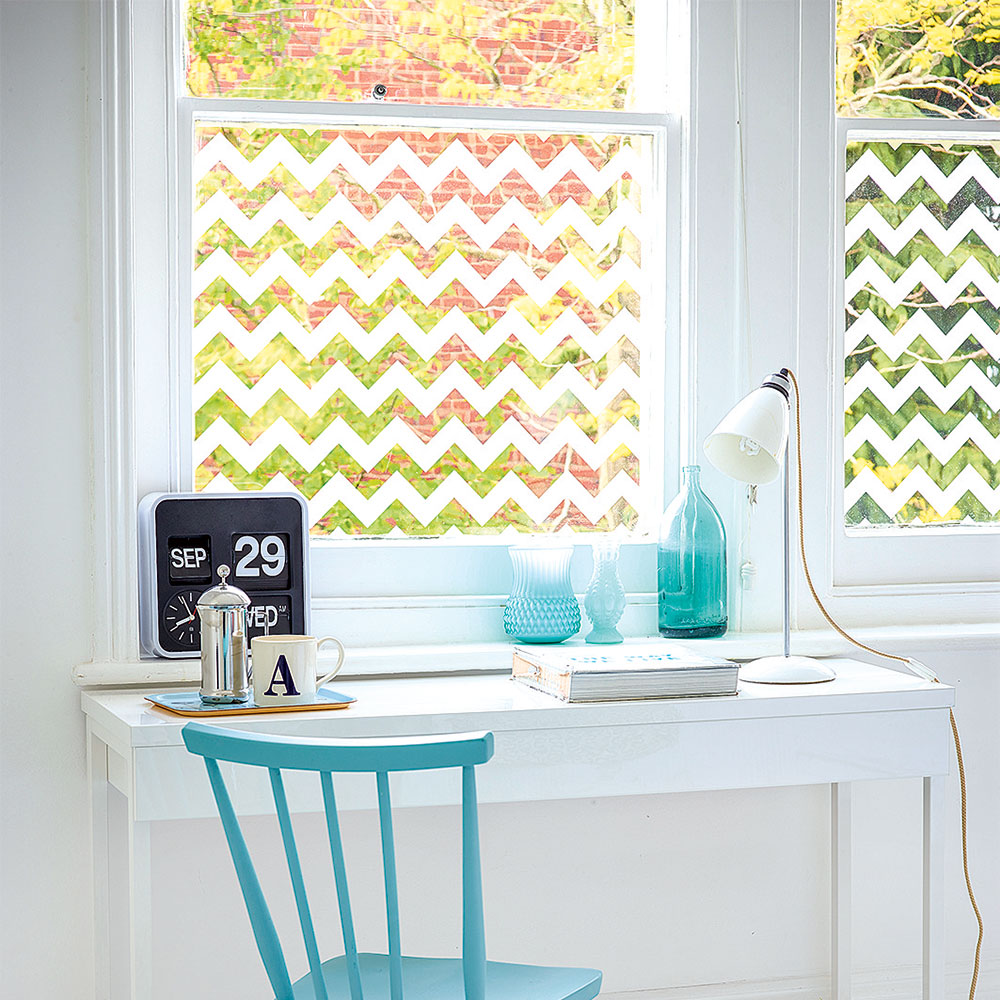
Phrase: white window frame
pixel 795 320
pixel 368 591
pixel 878 576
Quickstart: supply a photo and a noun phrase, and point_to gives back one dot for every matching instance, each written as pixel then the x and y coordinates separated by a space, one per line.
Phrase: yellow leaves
pixel 474 51
pixel 941 38
pixel 448 8
pixel 460 86
pixel 200 77
pixel 979 79
pixel 901 57
pixel 629 408
pixel 451 53
pixel 890 475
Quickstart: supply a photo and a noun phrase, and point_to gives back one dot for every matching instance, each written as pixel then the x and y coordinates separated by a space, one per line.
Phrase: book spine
pixel 542 678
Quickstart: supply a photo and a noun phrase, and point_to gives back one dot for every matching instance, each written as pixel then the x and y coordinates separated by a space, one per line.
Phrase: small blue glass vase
pixel 541 606
pixel 605 600
pixel 691 564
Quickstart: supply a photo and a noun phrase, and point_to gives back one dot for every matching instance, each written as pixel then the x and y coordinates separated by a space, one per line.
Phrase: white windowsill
pixel 495 657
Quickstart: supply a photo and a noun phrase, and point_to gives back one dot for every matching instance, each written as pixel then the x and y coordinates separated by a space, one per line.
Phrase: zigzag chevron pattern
pixel 398 380
pixel 396 324
pixel 454 489
pixel 398 212
pixel 455 269
pixel 454 435
pixel 426 176
pixel 970 327
pixel 423 333
pixel 922 375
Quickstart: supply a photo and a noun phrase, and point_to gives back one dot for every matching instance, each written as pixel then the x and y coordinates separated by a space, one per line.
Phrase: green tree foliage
pixel 920 354
pixel 445 51
pixel 911 58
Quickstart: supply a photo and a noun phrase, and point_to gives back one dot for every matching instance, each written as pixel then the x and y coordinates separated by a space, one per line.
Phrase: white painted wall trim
pixel 110 111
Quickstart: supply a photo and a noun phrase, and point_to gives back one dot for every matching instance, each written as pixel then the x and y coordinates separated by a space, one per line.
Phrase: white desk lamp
pixel 748 446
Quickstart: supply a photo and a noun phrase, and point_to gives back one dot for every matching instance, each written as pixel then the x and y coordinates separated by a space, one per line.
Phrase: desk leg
pixel 123 940
pixel 140 911
pixel 840 885
pixel 97 778
pixel 934 859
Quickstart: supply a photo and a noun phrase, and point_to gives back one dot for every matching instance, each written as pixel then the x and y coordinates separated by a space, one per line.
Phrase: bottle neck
pixel 691 475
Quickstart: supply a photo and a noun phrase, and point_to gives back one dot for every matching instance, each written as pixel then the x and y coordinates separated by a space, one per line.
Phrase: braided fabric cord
pixel 888 656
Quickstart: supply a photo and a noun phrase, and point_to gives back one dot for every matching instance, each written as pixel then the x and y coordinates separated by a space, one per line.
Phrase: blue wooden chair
pixel 362 976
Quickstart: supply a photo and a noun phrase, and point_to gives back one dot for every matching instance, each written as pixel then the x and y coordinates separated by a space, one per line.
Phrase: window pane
pixel 923 333
pixel 539 53
pixel 423 332
pixel 915 58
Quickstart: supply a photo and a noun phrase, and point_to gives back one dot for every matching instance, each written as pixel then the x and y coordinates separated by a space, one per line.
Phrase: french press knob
pixel 225 665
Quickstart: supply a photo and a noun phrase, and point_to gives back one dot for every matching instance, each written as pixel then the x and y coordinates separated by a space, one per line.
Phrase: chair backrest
pixel 379 757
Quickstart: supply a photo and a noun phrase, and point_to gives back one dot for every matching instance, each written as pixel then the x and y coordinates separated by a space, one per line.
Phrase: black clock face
pixel 186 538
pixel 180 620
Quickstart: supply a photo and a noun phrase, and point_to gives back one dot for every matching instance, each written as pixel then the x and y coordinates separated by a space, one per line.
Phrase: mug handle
pixel 320 681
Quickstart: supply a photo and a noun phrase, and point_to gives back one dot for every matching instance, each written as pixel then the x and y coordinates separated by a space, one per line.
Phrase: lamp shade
pixel 750 440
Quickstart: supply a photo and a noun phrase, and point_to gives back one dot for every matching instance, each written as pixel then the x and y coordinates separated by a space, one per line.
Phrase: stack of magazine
pixel 637 670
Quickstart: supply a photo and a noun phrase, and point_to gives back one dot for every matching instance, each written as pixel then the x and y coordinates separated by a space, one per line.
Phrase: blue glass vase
pixel 542 606
pixel 605 599
pixel 691 564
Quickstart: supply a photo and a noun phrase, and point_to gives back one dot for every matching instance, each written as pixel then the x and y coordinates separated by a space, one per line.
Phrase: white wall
pixel 624 884
pixel 46 589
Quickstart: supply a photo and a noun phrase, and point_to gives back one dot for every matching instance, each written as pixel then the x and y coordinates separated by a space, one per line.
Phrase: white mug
pixel 284 668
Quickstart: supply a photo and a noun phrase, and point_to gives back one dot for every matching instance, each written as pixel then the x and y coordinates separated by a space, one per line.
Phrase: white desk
pixel 869 723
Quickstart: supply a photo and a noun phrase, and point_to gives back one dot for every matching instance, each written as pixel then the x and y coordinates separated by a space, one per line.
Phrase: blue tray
pixel 189 703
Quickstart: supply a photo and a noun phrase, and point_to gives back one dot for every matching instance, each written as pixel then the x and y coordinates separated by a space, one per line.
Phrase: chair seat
pixel 441 979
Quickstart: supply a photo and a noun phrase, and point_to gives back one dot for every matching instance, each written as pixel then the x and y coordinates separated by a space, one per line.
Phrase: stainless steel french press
pixel 225 664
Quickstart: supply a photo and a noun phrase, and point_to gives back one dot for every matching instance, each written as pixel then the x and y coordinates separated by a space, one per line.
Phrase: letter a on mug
pixel 285 679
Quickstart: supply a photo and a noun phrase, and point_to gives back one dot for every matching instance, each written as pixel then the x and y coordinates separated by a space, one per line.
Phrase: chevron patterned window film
pixel 529 53
pixel 922 366
pixel 424 332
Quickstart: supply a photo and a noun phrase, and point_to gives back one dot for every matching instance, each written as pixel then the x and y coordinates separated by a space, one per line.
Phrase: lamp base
pixel 786 670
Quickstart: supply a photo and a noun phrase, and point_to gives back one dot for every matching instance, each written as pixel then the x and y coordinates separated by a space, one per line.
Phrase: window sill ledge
pixel 495 657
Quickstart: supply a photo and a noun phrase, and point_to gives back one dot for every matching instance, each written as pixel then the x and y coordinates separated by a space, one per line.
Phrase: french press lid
pixel 223 596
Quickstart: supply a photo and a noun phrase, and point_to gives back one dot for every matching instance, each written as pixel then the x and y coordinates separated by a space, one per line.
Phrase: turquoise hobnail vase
pixel 605 599
pixel 541 606
pixel 691 564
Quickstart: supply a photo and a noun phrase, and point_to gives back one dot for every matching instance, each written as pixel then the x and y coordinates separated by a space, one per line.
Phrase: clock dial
pixel 180 620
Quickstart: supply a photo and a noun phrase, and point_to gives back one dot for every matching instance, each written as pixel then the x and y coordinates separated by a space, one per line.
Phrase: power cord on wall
pixel 913 664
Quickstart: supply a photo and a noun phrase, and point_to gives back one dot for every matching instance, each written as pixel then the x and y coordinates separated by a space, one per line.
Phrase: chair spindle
pixel 473 932
pixel 264 933
pixel 340 876
pixel 391 892
pixel 298 885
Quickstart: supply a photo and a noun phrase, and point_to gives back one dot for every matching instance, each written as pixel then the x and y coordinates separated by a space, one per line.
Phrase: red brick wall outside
pixel 559 43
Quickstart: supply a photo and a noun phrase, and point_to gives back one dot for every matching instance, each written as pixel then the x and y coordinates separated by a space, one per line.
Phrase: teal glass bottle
pixel 691 564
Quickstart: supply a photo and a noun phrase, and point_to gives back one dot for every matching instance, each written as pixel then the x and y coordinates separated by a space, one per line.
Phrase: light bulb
pixel 749 447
